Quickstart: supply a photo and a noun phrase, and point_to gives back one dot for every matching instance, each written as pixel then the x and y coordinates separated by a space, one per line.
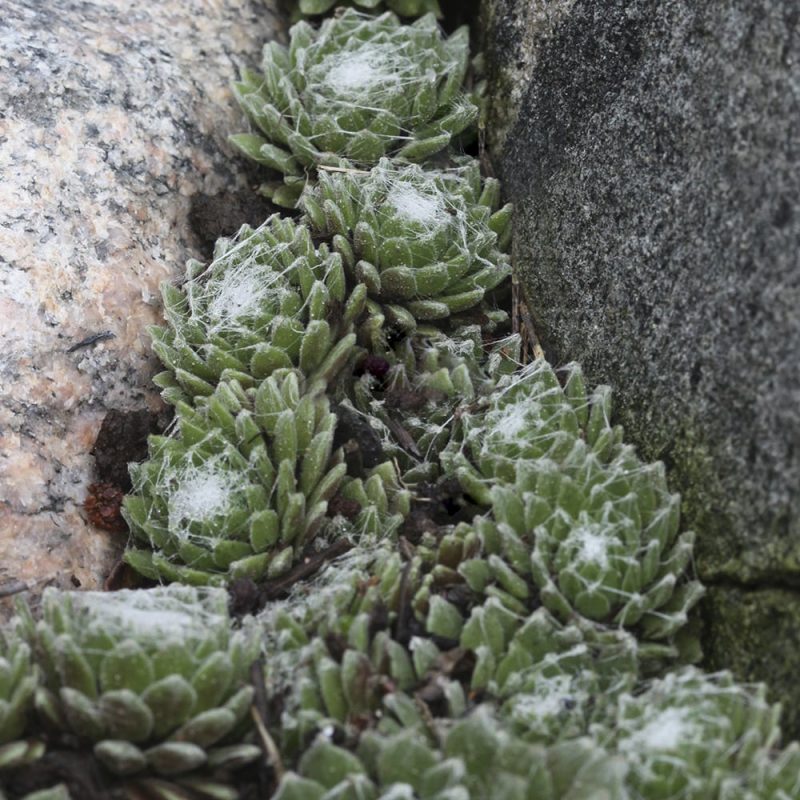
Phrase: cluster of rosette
pixel 510 618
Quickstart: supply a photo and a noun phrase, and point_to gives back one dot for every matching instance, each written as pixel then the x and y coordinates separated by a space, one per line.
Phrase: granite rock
pixel 652 151
pixel 113 128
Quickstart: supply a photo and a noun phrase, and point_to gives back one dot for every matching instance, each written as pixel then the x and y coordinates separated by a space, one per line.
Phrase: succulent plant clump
pixel 476 589
pixel 349 654
pixel 357 89
pixel 473 758
pixel 241 490
pixel 655 748
pixel 152 679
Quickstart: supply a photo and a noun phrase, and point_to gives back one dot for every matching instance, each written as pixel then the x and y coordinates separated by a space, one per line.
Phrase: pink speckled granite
pixel 113 115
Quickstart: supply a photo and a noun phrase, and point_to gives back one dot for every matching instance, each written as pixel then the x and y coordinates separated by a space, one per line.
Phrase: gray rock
pixel 112 141
pixel 652 149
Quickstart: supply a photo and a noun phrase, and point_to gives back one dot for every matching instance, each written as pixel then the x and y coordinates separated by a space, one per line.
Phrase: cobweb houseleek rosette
pixel 155 680
pixel 58 792
pixel 347 692
pixel 405 8
pixel 550 681
pixel 427 244
pixel 575 511
pixel 383 502
pixel 269 300
pixel 19 678
pixel 357 89
pixel 322 685
pixel 336 663
pixel 693 735
pixel 241 489
pixel 532 419
pixel 472 598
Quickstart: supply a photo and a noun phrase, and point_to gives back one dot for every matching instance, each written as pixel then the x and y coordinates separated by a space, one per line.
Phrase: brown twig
pixel 404 438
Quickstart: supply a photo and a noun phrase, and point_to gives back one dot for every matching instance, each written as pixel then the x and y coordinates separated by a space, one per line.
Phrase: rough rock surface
pixel 113 119
pixel 652 151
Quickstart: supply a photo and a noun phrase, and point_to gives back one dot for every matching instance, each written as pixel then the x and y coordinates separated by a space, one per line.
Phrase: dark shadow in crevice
pixel 456 13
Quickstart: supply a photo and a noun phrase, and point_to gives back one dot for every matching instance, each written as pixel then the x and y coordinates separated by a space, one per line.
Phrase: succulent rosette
pixel 550 680
pixel 532 419
pixel 575 512
pixel 522 656
pixel 155 680
pixel 58 792
pixel 427 244
pixel 19 678
pixel 321 685
pixel 477 757
pixel 241 489
pixel 357 89
pixel 693 736
pixel 269 300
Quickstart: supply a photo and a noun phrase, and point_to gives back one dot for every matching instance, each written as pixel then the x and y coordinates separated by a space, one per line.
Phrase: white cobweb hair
pixel 416 195
pixel 200 494
pixel 346 76
pixel 545 702
pixel 244 280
